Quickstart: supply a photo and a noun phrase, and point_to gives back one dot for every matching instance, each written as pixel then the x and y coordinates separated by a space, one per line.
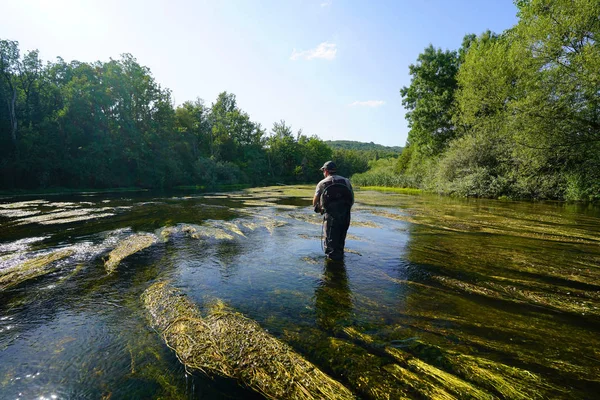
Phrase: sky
pixel 333 68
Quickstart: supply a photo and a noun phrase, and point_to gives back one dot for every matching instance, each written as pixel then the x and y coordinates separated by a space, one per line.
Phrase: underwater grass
pixel 17 213
pixel 62 216
pixel 313 219
pixel 465 371
pixel 226 343
pixel 31 268
pixel 307 191
pixel 127 247
pixel 552 348
pixel 460 372
pixel 491 220
pixel 514 294
pixel 206 232
pixel 427 379
pixel 465 376
pixel 363 371
pixel 221 230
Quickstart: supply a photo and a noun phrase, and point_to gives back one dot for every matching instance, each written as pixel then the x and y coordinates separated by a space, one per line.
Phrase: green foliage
pixel 403 162
pixel 521 118
pixel 350 162
pixel 353 157
pixel 486 81
pixel 109 124
pixel 381 173
pixel 314 153
pixel 283 152
pixel 294 158
pixel 429 99
pixel 473 166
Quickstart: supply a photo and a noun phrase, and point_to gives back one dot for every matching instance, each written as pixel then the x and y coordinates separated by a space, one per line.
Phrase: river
pixel 495 299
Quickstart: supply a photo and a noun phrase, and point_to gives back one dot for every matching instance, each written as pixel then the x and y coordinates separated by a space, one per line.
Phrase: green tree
pixel 557 109
pixel 314 153
pixel 10 65
pixel 350 162
pixel 429 99
pixel 559 42
pixel 283 152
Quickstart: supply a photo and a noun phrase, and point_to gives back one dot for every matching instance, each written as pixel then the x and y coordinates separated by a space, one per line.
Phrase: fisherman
pixel 334 198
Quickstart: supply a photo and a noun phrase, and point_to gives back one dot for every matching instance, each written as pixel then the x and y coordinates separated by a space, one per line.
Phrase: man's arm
pixel 317 199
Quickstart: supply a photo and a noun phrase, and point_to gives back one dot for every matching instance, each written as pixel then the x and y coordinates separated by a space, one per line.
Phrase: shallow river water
pixel 437 297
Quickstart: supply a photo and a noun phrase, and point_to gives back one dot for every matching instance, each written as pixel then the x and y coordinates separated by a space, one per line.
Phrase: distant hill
pixel 352 145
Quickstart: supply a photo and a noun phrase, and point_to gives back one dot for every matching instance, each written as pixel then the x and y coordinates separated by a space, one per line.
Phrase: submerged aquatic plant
pixel 62 216
pixel 227 344
pixel 413 369
pixel 31 268
pixel 127 247
pixel 24 204
pixel 363 371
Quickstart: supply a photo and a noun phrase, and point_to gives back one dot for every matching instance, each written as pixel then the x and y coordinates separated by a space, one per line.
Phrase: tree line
pixel 515 114
pixel 379 150
pixel 110 124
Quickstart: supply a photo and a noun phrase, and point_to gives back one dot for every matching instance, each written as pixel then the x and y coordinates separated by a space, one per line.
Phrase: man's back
pixel 331 180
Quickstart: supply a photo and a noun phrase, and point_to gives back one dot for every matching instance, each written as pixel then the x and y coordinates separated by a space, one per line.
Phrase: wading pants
pixel 337 221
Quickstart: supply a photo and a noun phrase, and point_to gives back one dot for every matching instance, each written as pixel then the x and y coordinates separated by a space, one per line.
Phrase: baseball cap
pixel 329 166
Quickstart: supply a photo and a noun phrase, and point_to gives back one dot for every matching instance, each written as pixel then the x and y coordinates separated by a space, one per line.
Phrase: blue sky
pixel 332 68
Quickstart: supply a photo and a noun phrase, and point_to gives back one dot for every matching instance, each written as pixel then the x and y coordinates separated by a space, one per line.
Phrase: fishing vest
pixel 336 194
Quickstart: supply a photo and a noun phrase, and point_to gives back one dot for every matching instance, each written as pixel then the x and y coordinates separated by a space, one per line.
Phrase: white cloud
pixel 326 3
pixel 325 50
pixel 368 103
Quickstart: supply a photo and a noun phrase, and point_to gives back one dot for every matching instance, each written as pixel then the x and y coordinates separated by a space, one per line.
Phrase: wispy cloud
pixel 326 3
pixel 368 103
pixel 325 51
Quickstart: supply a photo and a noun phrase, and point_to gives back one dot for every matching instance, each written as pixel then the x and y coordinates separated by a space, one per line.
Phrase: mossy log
pixel 227 344
pixel 31 268
pixel 127 247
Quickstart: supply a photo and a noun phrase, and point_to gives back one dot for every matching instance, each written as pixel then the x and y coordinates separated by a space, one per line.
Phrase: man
pixel 334 198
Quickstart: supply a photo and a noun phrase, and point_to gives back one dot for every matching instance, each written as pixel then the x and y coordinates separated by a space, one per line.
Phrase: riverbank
pixel 392 189
pixel 56 191
pixel 63 191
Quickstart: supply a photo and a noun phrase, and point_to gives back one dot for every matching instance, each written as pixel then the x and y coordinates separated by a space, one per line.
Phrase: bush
pixel 209 173
pixel 474 166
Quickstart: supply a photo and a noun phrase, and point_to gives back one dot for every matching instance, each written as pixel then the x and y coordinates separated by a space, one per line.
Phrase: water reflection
pixel 333 299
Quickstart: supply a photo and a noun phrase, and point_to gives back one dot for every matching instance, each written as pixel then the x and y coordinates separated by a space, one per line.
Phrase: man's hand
pixel 317 204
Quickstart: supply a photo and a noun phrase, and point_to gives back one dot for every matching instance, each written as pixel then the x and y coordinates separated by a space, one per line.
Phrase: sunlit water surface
pixel 513 283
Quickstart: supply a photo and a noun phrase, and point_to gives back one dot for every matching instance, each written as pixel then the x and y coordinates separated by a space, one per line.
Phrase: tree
pixel 558 41
pixel 314 153
pixel 557 110
pixel 193 124
pixel 9 67
pixel 429 99
pixel 222 144
pixel 486 81
pixel 283 152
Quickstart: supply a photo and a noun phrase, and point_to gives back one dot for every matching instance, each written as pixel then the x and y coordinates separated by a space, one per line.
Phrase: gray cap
pixel 329 166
